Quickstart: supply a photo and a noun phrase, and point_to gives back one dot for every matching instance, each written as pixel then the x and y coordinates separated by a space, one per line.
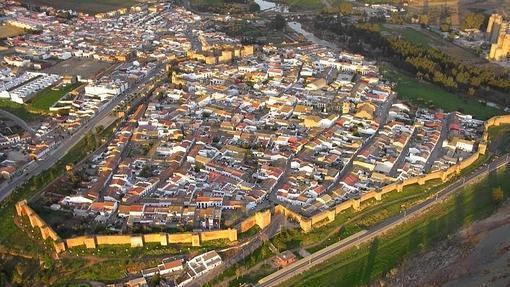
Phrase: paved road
pixel 438 151
pixel 61 149
pixel 382 115
pixel 332 250
pixel 18 121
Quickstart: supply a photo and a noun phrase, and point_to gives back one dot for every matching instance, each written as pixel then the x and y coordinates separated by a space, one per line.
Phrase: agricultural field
pixel 87 6
pixel 424 93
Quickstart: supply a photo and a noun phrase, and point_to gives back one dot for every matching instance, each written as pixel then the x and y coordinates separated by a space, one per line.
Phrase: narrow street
pixel 378 230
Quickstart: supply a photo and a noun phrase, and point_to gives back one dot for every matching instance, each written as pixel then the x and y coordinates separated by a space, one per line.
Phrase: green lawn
pixel 309 4
pixel 49 96
pixel 415 37
pixel 411 35
pixel 39 106
pixel 427 94
pixel 19 110
pixel 357 267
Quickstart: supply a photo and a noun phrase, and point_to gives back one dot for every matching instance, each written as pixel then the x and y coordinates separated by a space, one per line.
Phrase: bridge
pixel 272 12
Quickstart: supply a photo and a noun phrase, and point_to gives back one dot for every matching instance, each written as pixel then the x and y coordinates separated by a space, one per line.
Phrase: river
pixel 296 26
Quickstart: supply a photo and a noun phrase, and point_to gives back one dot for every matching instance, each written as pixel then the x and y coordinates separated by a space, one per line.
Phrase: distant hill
pixel 87 6
pixel 458 8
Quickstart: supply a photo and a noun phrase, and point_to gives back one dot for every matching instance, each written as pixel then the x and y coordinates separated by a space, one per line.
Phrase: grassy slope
pixel 13 239
pixel 19 110
pixel 423 93
pixel 359 266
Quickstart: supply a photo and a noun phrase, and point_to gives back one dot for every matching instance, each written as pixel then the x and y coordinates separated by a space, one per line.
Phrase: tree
pixel 345 8
pixel 471 91
pixel 99 129
pixel 279 243
pixel 90 141
pixel 254 7
pixel 424 19
pixel 278 22
pixel 146 171
pixel 498 195
pixel 396 18
pixel 473 21
pixel 445 27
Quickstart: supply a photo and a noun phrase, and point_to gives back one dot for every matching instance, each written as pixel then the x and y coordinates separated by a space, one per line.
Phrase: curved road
pixel 322 255
pixel 53 156
pixel 18 121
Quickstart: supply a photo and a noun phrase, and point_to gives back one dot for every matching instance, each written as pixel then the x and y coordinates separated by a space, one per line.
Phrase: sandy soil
pixel 478 255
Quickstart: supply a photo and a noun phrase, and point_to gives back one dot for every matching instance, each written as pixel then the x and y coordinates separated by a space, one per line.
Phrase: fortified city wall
pixel 261 219
pixel 325 217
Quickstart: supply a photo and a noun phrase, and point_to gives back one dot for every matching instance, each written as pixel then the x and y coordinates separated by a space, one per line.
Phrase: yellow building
pixel 346 107
pixel 365 110
pixel 497 33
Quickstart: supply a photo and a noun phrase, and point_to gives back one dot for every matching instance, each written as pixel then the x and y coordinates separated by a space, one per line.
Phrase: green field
pixel 88 6
pixel 38 107
pixel 357 267
pixel 427 94
pixel 19 110
pixel 47 97
pixel 409 34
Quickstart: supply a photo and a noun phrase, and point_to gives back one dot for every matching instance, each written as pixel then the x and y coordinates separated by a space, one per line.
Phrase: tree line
pixel 426 63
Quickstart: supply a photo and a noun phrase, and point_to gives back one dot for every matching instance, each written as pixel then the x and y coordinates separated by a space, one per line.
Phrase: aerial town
pixel 191 137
